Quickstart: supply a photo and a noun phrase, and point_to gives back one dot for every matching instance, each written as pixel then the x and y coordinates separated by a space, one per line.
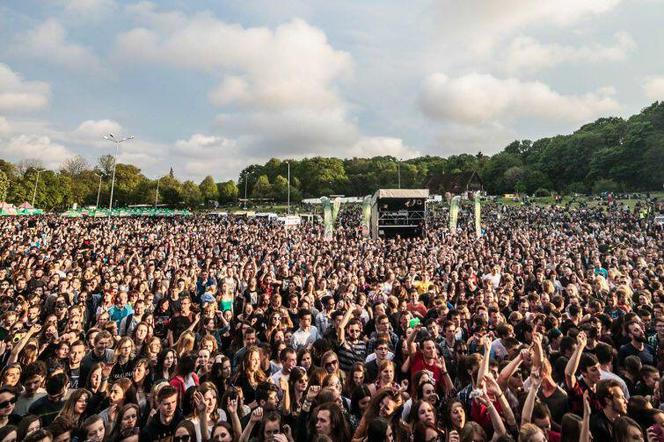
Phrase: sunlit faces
pixel 324 422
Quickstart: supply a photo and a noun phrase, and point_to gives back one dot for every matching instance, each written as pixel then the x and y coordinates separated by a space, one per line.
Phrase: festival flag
pixel 366 216
pixel 478 215
pixel 327 219
pixel 454 213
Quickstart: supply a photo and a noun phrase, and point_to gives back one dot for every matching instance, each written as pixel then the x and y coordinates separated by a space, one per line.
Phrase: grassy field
pixel 590 201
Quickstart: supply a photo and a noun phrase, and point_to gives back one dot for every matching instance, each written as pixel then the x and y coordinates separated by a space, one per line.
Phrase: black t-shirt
pixel 156 431
pixel 179 325
pixel 46 409
pixel 601 427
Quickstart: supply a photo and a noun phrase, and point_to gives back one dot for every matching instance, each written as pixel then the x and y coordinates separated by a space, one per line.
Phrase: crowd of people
pixel 549 327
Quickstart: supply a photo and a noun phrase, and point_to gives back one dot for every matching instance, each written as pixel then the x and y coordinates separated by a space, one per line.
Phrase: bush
pixel 605 185
pixel 577 187
pixel 541 192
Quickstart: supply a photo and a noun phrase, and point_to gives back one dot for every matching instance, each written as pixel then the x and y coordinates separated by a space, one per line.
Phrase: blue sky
pixel 207 87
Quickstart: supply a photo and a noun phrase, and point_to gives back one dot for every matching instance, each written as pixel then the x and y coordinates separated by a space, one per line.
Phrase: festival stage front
pixel 399 212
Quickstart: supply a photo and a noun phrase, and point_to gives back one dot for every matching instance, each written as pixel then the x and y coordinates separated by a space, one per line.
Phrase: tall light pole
pixel 113 139
pixel 399 171
pixel 34 193
pixel 246 177
pixel 156 194
pixel 288 162
pixel 100 175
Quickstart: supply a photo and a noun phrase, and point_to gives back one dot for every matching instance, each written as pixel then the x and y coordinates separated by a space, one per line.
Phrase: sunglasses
pixel 186 438
pixel 335 362
pixel 5 404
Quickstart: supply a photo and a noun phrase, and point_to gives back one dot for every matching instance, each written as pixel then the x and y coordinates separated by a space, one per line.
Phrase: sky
pixel 209 87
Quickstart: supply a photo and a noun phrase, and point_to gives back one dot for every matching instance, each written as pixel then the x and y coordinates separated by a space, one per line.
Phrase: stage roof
pixel 401 193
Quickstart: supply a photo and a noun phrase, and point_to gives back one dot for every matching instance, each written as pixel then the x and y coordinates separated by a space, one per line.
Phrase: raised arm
pixel 484 365
pixel 507 372
pixel 527 412
pixel 256 417
pixel 585 423
pixel 496 420
pixel 495 389
pixel 13 356
pixel 341 331
pixel 573 363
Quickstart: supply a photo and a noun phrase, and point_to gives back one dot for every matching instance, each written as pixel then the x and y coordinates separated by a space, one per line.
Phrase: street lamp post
pixel 113 139
pixel 288 162
pixel 246 177
pixel 399 172
pixel 34 193
pixel 156 194
pixel 100 175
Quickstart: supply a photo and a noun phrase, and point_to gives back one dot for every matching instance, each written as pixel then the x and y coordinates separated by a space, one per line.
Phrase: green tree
pixel 208 188
pixel 262 188
pixel 228 192
pixel 4 185
pixel 191 194
pixel 280 188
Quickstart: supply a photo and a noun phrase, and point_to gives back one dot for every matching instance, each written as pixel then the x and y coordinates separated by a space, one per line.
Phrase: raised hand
pixel 313 392
pixel 257 415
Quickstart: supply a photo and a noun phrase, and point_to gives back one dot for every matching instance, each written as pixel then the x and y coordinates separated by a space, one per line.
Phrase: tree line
pixel 610 154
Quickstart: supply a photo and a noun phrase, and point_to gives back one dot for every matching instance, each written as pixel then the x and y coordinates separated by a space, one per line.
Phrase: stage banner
pixel 336 205
pixel 366 216
pixel 478 216
pixel 454 213
pixel 328 221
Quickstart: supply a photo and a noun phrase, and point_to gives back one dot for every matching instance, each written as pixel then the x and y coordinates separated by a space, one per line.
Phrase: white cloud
pixel 527 54
pixel 88 9
pixel 480 25
pixel 480 98
pixel 18 95
pixel 278 87
pixel 374 146
pixel 5 128
pixel 23 147
pixel 92 132
pixel 203 155
pixel 654 88
pixel 48 42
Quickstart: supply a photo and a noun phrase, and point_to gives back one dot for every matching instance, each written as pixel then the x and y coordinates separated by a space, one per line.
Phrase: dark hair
pixel 56 383
pixel 377 430
pixel 38 435
pixel 359 393
pixel 602 390
pixel 303 312
pixel 24 424
pixel 165 392
pixel 60 426
pixel 621 428
pixel 570 428
pixel 34 369
pixel 6 430
pixel 338 423
pixel 587 361
pixel 604 353
pixel 186 365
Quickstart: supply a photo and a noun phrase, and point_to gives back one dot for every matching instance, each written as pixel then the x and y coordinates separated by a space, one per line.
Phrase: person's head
pixel 425 432
pixel 304 316
pixel 328 420
pixel 541 417
pixel 167 400
pixel 589 367
pixel 531 433
pixel 457 415
pixel 428 348
pixel 422 411
pixel 267 395
pixel 649 376
pixel 61 429
pixel 570 428
pixel 122 392
pixel 271 425
pixel 330 361
pixel 33 377
pixel 381 349
pixel 76 404
pixel 11 374
pixel 102 342
pixel 128 417
pixel 222 432
pixel 41 435
pixel 7 401
pixel 609 393
pixel 8 434
pixel 288 359
pixel 386 372
pixel 93 429
pixel 28 425
pixel 354 330
pixel 626 429
pixel 359 400
pixel 379 430
pixel 304 358
pixel 184 432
